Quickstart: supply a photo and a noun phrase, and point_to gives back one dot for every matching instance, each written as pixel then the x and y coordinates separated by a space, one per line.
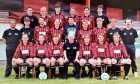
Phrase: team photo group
pixel 56 41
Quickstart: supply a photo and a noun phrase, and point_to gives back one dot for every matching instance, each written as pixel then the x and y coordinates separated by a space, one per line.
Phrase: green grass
pixel 70 80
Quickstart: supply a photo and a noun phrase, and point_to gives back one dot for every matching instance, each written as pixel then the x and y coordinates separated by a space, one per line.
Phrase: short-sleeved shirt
pixel 105 18
pixel 110 33
pixel 73 29
pixel 11 36
pixel 33 20
pixel 29 31
pixel 71 49
pixel 128 36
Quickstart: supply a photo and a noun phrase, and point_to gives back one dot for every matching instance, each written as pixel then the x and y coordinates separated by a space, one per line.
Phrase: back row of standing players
pixel 77 26
pixel 63 25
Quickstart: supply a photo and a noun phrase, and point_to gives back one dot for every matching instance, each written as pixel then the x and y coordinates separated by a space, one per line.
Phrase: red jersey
pixel 86 51
pixel 61 17
pixel 59 31
pixel 56 50
pixel 118 51
pixel 24 51
pixel 97 31
pixel 41 50
pixel 41 30
pixel 76 20
pixel 90 19
pixel 81 34
pixel 101 50
pixel 47 21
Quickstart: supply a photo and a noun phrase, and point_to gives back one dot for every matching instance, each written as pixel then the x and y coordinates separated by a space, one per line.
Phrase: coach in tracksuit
pixel 128 36
pixel 11 38
pixel 71 53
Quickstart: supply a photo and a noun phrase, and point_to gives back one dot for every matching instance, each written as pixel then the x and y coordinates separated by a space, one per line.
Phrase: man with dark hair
pixel 70 28
pixel 27 29
pixel 87 16
pixel 58 15
pixel 129 36
pixel 11 38
pixel 101 15
pixel 33 19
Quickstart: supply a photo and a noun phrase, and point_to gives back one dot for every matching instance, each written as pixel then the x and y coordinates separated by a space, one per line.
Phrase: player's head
pixel 12 23
pixel 57 8
pixel 128 22
pixel 85 24
pixel 71 38
pixel 100 37
pixel 41 38
pixel 57 22
pixel 87 39
pixel 56 38
pixel 41 21
pixel 26 21
pixel 70 20
pixel 72 11
pixel 99 22
pixel 100 9
pixel 25 38
pixel 116 37
pixel 86 11
pixel 43 11
pixel 113 23
pixel 30 10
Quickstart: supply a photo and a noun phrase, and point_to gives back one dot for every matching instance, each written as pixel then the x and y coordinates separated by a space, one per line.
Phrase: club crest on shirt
pixel 111 33
pixel 16 34
pixel 9 33
pixel 74 47
pixel 68 48
pixel 124 33
pixel 32 20
pixel 131 33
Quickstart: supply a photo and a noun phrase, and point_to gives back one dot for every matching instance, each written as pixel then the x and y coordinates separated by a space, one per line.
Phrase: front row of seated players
pixel 92 53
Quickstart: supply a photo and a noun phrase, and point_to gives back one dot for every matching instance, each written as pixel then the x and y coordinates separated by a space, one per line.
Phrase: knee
pixel 114 61
pixel 52 61
pixel 61 61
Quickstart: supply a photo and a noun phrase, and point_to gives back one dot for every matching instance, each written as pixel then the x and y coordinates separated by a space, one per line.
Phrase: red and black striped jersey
pixel 86 51
pixel 41 50
pixel 24 50
pixel 61 17
pixel 56 50
pixel 90 20
pixel 101 50
pixel 82 33
pixel 97 31
pixel 59 32
pixel 117 51
pixel 47 21
pixel 41 30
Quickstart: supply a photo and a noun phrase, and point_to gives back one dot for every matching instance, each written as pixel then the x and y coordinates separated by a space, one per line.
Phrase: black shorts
pixel 24 59
pixel 71 60
pixel 87 59
pixel 119 60
pixel 56 58
pixel 102 58
pixel 41 58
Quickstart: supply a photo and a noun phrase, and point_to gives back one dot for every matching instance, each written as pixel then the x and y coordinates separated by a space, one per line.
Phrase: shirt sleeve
pixel 4 35
pixel 17 52
pixel 135 34
pixel 124 51
pixel 78 47
pixel 64 46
